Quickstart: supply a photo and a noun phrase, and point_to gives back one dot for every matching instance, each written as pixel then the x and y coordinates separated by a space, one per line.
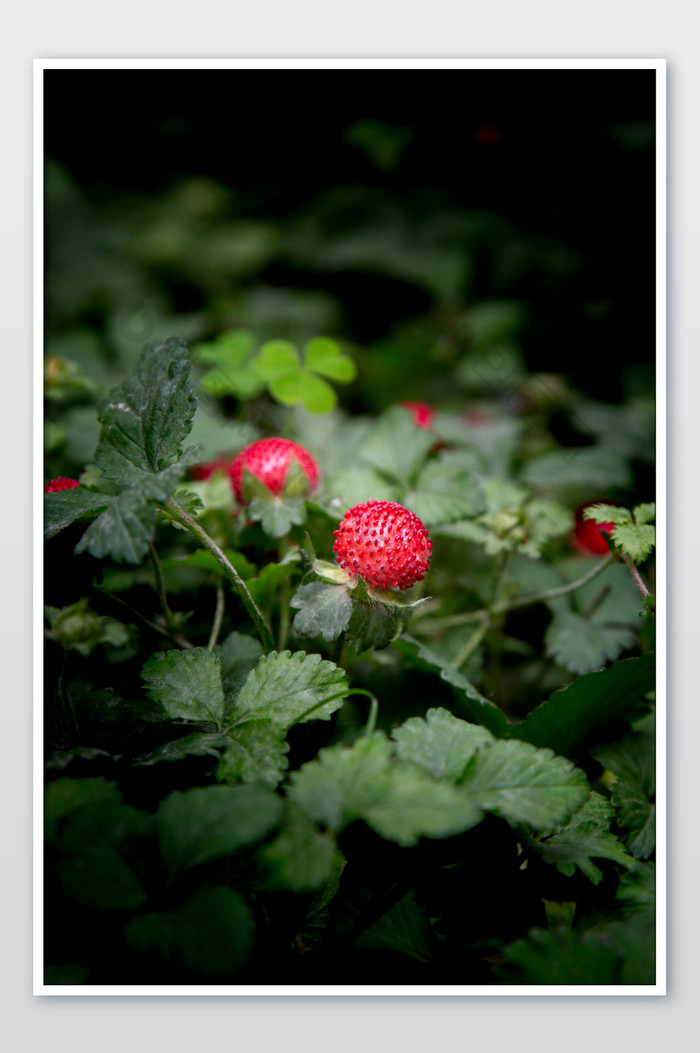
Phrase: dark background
pixel 564 157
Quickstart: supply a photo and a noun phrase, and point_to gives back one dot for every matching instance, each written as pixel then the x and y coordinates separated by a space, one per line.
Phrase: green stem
pixel 373 711
pixel 284 598
pixel 636 575
pixel 160 586
pixel 232 574
pixel 471 644
pixel 218 616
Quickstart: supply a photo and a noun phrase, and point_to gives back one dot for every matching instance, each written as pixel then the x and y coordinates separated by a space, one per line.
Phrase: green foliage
pixel 585 837
pixel 632 532
pixel 440 744
pixel 290 381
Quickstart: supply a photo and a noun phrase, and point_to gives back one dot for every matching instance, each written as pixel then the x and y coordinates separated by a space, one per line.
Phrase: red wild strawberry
pixel 588 537
pixel 384 543
pixel 61 483
pixel 270 461
pixel 219 464
pixel 423 413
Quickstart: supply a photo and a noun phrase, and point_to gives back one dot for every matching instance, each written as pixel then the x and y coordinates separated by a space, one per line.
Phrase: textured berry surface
pixel 61 483
pixel 588 537
pixel 270 460
pixel 423 413
pixel 384 543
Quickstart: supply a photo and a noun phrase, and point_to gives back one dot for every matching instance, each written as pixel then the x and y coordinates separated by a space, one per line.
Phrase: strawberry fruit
pixel 588 537
pixel 282 466
pixel 423 414
pixel 54 486
pixel 384 543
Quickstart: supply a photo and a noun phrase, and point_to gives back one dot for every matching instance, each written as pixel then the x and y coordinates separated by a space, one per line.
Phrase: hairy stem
pixel 636 575
pixel 471 644
pixel 232 574
pixel 218 616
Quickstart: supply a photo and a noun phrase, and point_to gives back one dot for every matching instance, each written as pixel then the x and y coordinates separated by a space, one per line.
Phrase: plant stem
pixel 218 616
pixel 636 575
pixel 160 585
pixel 373 711
pixel 471 644
pixel 232 574
pixel 284 598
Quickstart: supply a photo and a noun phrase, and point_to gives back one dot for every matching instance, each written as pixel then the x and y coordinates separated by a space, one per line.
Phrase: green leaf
pixel 440 744
pixel 277 516
pixel 637 889
pixel 146 419
pixel 645 513
pixel 209 822
pixel 77 628
pixel 355 486
pixel 637 814
pixel 582 645
pixel 443 493
pixel 123 531
pixel 187 684
pixel 396 447
pixel 574 714
pixel 229 355
pixel 300 857
pixel 397 801
pixel 374 624
pixel 413 805
pixel 585 837
pixel 64 795
pixel 264 588
pixel 478 708
pixel 255 752
pixel 97 867
pixel 524 785
pixel 291 689
pixel 200 744
pixel 637 541
pixel 238 654
pixel 276 358
pixel 323 610
pixel 602 513
pixel 68 506
pixel 312 391
pixel 557 956
pixel 403 930
pixel 211 932
pixel 325 356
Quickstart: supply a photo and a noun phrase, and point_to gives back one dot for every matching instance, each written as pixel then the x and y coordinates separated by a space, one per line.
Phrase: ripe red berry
pixel 384 543
pixel 219 464
pixel 423 413
pixel 270 460
pixel 588 537
pixel 61 483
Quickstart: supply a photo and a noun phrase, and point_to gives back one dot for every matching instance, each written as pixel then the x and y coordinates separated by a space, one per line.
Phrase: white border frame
pixel 39 988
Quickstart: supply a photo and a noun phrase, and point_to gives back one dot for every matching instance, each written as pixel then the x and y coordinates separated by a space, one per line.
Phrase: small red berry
pixel 588 537
pixel 384 543
pixel 423 413
pixel 61 483
pixel 219 464
pixel 270 460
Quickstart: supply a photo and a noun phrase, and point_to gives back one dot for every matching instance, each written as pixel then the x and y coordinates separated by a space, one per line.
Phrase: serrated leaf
pixel 211 932
pixel 277 516
pixel 403 930
pixel 255 752
pixel 524 785
pixel 644 513
pixel 187 684
pixel 478 708
pixel 397 801
pixel 374 624
pixel 355 486
pixel 440 744
pixel 582 645
pixel 238 654
pixel 573 714
pixel 200 744
pixel 323 610
pixel 325 356
pixel 443 493
pixel 209 822
pixel 97 867
pixel 637 815
pixel 413 806
pixel 637 888
pixel 291 689
pixel 300 857
pixel 395 446
pixel 123 531
pixel 586 837
pixel 602 513
pixel 68 506
pixel 637 541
